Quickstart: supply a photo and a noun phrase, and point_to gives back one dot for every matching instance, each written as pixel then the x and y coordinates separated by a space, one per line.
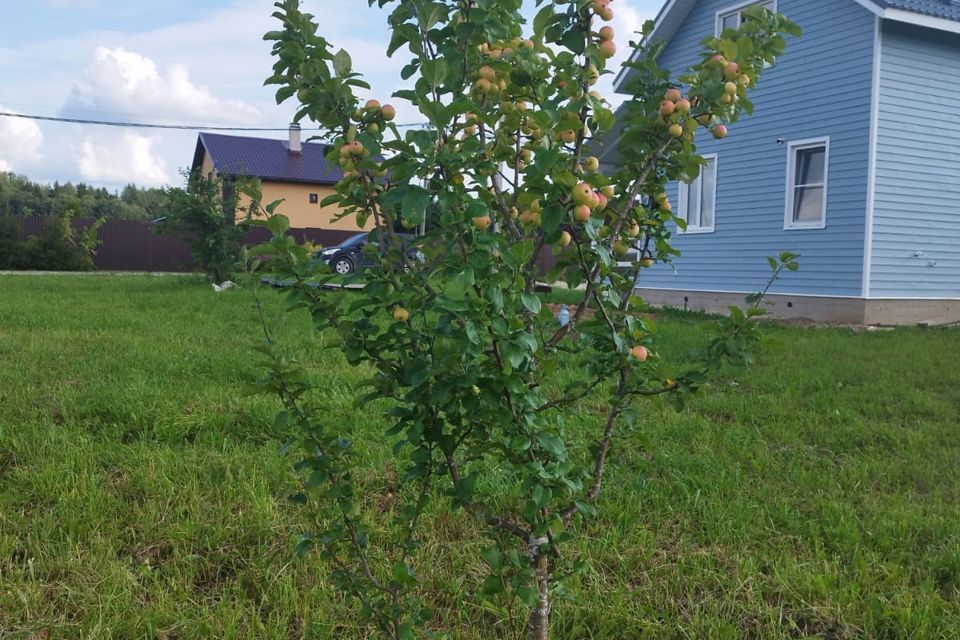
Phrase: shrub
pixel 484 386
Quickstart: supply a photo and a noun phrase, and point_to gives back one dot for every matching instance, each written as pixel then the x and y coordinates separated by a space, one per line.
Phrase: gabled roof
pixel 935 14
pixel 267 159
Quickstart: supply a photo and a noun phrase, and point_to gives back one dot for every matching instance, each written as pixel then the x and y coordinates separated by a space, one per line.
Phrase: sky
pixel 195 62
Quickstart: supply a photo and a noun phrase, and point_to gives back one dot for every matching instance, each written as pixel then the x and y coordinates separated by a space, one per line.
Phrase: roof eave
pixel 921 20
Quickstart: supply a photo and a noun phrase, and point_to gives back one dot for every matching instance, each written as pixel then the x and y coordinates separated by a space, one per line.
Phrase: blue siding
pixel 917 202
pixel 820 87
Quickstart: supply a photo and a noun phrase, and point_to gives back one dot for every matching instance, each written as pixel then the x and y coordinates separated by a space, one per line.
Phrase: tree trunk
pixel 538 625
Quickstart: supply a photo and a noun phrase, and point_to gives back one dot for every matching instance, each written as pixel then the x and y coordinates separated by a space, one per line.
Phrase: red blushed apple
pixel 605 33
pixel 372 105
pixel 639 353
pixel 667 107
pixel 683 106
pixel 720 131
pixel 719 58
pixel 608 48
pixel 581 213
pixel 487 73
pixel 602 202
pixel 388 112
pixel 731 71
pixel 673 95
pixel 594 200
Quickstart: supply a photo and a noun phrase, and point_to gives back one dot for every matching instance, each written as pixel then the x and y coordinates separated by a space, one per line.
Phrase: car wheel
pixel 343 266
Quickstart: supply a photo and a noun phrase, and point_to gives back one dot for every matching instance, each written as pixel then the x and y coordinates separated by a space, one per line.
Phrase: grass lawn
pixel 143 496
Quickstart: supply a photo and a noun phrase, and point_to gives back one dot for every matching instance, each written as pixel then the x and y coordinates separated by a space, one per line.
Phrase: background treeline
pixel 19 196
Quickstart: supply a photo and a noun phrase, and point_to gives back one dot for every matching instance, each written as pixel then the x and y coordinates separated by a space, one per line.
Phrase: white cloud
pixel 627 21
pixel 21 142
pixel 123 158
pixel 123 81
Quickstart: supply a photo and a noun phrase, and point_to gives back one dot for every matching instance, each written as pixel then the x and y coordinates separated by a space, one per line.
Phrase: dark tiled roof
pixel 949 9
pixel 267 159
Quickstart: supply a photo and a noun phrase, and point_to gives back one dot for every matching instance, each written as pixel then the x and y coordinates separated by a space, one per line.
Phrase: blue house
pixel 851 159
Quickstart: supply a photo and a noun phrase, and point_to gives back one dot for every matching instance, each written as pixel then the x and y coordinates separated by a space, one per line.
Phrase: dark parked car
pixel 350 255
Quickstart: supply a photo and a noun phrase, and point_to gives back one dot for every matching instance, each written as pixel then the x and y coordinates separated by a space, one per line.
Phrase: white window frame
pixel 792 148
pixel 737 8
pixel 683 204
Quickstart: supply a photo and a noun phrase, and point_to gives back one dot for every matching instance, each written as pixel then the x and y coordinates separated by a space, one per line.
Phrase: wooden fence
pixel 134 245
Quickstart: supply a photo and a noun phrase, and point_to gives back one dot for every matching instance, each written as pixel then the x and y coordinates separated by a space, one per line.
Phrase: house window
pixel 698 200
pixel 808 163
pixel 732 17
pixel 314 198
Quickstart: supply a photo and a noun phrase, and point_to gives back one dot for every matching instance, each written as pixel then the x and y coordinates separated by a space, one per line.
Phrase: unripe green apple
pixel 582 194
pixel 565 239
pixel 401 315
pixel 482 223
pixel 675 131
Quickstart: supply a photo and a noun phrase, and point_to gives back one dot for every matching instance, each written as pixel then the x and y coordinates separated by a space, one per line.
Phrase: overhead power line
pixel 145 125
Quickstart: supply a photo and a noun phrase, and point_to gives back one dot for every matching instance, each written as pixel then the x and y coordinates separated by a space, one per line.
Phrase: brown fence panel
pixel 133 245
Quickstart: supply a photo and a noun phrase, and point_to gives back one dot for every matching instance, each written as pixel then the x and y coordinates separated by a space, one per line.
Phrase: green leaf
pixel 528 595
pixel 414 206
pixel 531 302
pixel 492 585
pixel 492 557
pixel 402 574
pixel 434 71
pixel 342 63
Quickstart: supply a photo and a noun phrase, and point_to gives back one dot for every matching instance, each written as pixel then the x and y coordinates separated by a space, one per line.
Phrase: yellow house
pixel 290 170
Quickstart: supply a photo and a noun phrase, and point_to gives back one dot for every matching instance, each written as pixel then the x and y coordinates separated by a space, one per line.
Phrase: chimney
pixel 295 146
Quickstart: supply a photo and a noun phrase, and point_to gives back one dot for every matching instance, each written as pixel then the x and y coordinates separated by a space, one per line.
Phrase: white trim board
pixel 872 158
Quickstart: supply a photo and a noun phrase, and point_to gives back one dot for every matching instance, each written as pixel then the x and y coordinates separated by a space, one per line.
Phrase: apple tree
pixel 481 379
